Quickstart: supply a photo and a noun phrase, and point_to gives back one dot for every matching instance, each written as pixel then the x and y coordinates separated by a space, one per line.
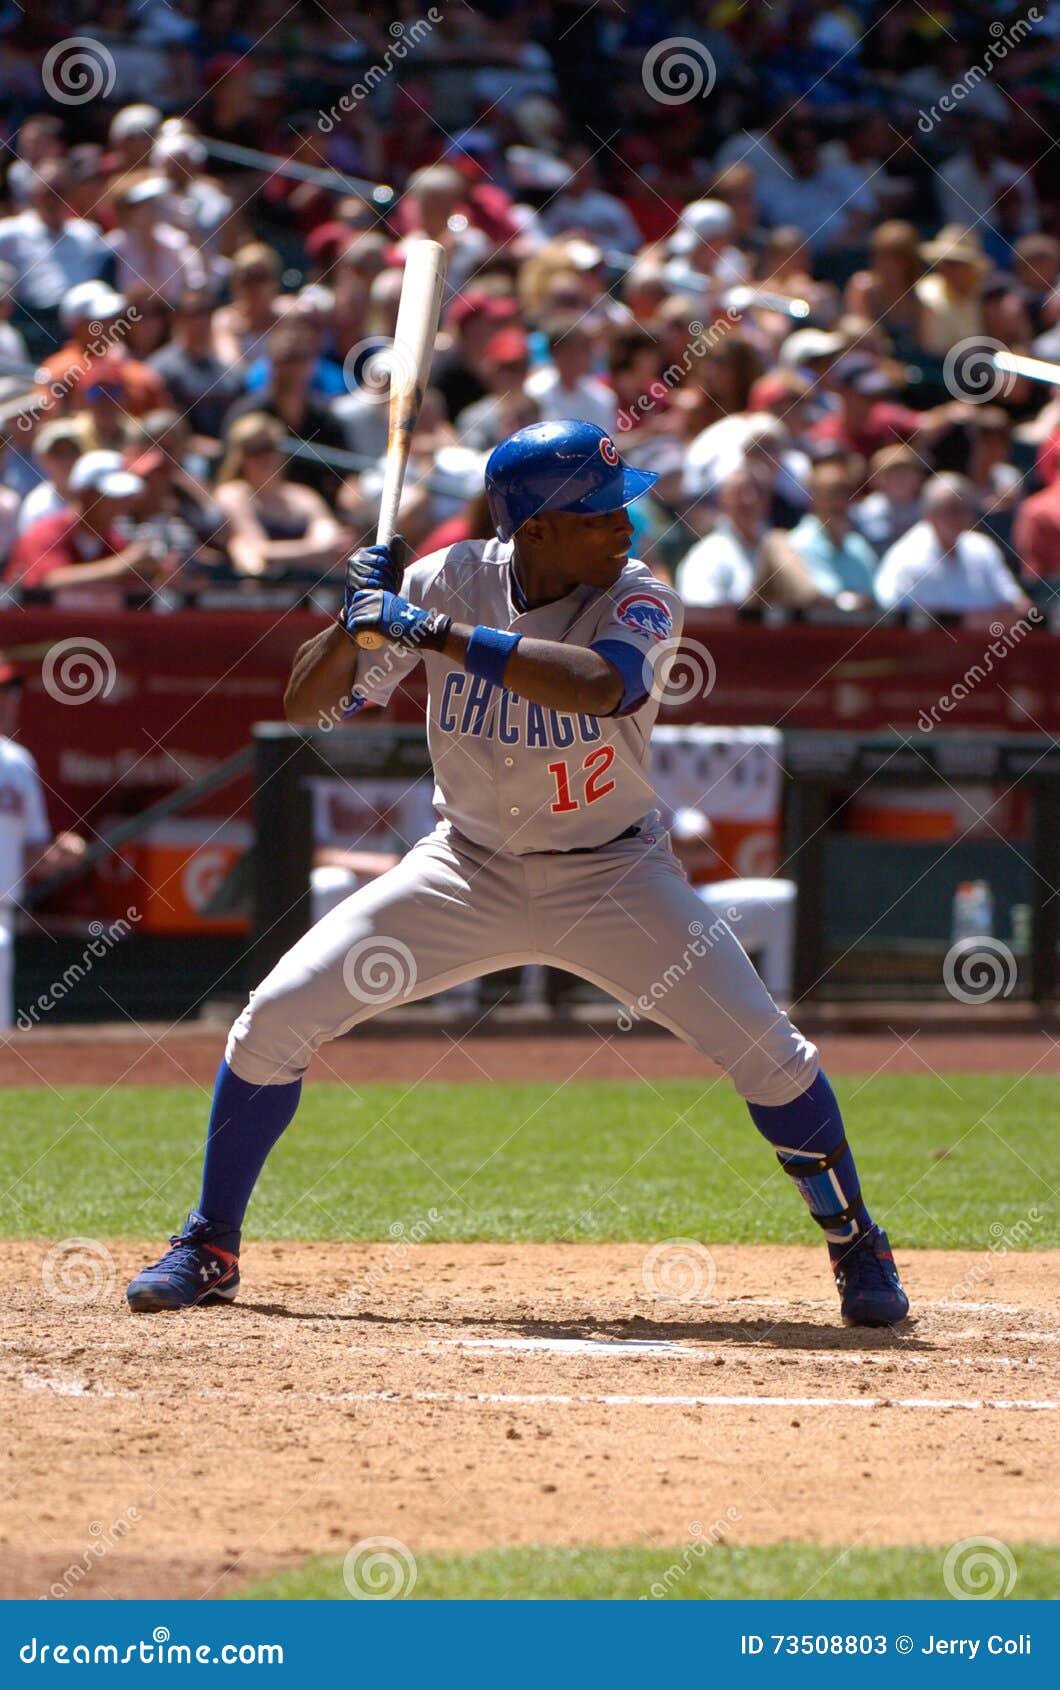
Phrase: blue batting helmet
pixel 558 466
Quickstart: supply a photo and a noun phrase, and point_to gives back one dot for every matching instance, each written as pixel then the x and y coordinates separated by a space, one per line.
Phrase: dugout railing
pixel 822 771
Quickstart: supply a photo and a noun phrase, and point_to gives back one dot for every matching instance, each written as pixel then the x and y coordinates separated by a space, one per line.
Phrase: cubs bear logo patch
pixel 646 614
pixel 609 451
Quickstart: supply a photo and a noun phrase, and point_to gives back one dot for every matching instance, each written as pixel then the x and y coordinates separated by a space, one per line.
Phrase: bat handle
pixel 368 639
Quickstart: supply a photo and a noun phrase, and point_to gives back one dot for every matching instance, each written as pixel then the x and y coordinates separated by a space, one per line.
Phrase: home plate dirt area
pixel 515 1394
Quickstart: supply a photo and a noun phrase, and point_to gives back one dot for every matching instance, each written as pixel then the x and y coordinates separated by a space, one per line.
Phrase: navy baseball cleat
pixel 870 1291
pixel 202 1267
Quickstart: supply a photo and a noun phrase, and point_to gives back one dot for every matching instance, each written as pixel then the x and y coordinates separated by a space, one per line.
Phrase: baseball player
pixel 543 650
pixel 27 848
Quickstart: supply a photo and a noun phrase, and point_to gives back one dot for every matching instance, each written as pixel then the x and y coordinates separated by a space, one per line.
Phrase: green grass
pixel 945 1162
pixel 772 1571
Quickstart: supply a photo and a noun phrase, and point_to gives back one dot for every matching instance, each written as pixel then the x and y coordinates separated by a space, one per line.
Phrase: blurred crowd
pixel 785 290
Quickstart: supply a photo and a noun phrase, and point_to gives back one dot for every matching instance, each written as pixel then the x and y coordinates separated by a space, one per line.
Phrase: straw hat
pixel 954 244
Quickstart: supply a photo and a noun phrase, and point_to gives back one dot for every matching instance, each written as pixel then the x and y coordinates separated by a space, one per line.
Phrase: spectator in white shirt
pixel 565 387
pixel 829 202
pixel 150 252
pixel 702 254
pixel 721 569
pixel 56 449
pixel 971 183
pixel 39 138
pixel 941 565
pixel 585 208
pixel 14 355
pixel 49 250
pixel 742 561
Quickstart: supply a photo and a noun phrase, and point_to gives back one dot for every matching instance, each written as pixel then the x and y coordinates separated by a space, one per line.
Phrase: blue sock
pixel 245 1122
pixel 811 1146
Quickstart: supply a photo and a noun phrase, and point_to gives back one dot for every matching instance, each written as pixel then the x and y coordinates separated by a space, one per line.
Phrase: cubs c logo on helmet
pixel 646 614
pixel 609 451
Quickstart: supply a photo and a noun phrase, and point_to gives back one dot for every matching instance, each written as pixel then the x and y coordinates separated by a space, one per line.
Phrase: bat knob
pixel 369 640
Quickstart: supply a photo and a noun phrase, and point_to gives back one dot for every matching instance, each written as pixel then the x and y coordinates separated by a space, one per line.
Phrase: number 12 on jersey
pixel 594 769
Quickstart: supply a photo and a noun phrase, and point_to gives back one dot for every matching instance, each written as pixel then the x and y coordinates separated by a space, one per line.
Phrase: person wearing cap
pixel 274 524
pixel 868 417
pixel 131 136
pixel 702 255
pixel 94 316
pixel 28 850
pixel 50 252
pixel 56 449
pixel 197 203
pixel 941 565
pixel 147 248
pixel 506 404
pixel 80 545
pixel 566 386
pixel 459 371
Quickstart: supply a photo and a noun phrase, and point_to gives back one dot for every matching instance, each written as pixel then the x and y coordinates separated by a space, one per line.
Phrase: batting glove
pixel 376 567
pixel 396 619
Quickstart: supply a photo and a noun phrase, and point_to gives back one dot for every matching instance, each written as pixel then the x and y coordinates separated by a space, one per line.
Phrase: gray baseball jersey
pixel 511 774
pixel 549 850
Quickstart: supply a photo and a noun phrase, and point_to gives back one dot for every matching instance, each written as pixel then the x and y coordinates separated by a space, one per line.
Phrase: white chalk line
pixel 614 1349
pixel 530 1399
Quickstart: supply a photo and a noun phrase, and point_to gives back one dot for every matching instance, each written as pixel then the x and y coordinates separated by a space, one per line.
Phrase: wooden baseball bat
pixel 413 349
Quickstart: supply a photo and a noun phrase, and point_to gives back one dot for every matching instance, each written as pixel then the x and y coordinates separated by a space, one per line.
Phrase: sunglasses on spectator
pixel 258 448
pixel 104 390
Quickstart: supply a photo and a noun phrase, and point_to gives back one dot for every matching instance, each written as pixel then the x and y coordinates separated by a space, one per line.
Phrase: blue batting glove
pixel 376 567
pixel 396 619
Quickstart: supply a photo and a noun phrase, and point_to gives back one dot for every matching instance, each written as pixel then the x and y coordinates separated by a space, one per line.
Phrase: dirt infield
pixel 484 1395
pixel 109 1055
